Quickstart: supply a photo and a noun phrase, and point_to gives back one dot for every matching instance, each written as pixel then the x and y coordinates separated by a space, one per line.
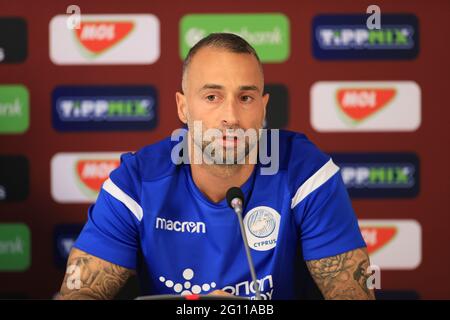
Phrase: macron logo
pixel 178 226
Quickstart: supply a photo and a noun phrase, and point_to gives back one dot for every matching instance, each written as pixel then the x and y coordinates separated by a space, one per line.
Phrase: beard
pixel 227 156
pixel 226 147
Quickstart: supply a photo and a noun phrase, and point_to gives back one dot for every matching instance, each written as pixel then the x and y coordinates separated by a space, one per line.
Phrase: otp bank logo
pixel 78 177
pixel 365 106
pixel 393 244
pixel 105 39
pixel 268 33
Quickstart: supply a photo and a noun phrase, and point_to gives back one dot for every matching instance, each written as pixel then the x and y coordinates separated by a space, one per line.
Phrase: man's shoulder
pixel 297 149
pixel 299 157
pixel 152 161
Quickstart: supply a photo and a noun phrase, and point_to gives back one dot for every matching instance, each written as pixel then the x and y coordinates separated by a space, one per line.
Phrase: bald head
pixel 221 41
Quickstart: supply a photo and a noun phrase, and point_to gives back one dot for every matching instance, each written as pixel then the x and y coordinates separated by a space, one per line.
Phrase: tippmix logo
pixel 380 175
pixel 104 108
pixel 347 37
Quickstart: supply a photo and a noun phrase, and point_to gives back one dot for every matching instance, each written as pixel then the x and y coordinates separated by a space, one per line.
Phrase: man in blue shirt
pixel 162 214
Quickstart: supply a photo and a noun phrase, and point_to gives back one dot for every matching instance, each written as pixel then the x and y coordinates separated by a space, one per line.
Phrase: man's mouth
pixel 228 140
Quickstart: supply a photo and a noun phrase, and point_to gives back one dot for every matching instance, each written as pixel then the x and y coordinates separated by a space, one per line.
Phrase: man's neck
pixel 214 180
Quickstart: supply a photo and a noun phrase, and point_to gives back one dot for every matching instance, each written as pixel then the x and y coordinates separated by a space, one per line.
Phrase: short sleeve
pixel 327 221
pixel 112 230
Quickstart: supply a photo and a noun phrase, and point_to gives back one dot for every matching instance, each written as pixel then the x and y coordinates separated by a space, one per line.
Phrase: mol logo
pixel 348 106
pixel 377 237
pixel 105 39
pixel 78 177
pixel 96 37
pixel 347 37
pixel 358 103
pixel 393 244
pixel 104 108
pixel 379 175
pixel 92 173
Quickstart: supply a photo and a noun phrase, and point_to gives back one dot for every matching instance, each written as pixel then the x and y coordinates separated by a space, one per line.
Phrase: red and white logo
pixel 92 172
pixel 78 177
pixel 106 39
pixel 377 237
pixel 365 106
pixel 102 35
pixel 393 244
pixel 359 104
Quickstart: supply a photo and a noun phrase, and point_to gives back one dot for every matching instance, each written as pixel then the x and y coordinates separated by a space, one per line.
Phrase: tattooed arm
pixel 343 277
pixel 88 277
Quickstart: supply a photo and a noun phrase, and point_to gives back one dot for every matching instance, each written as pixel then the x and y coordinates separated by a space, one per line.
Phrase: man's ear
pixel 181 106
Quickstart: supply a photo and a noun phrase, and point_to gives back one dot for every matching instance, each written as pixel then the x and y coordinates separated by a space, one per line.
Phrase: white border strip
pixel 115 191
pixel 315 181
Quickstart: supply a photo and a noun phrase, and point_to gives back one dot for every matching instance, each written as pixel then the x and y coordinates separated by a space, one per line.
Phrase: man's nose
pixel 230 115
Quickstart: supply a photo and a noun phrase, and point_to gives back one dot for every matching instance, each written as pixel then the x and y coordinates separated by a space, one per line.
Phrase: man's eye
pixel 211 97
pixel 246 98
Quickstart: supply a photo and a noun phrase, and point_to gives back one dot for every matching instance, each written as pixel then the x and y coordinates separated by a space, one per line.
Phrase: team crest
pixel 261 227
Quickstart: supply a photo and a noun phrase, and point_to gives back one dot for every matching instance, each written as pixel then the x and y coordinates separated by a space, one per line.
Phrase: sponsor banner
pixel 15 247
pixel 350 106
pixel 268 33
pixel 14 109
pixel 277 113
pixel 64 237
pixel 347 37
pixel 14 178
pixel 78 177
pixel 393 244
pixel 379 175
pixel 13 40
pixel 104 108
pixel 105 39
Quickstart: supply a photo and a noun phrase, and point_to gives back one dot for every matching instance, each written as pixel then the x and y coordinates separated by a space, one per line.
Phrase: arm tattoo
pixel 89 277
pixel 343 276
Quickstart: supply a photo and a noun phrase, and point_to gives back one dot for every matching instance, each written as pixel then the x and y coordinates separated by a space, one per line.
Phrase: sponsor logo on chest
pixel 180 226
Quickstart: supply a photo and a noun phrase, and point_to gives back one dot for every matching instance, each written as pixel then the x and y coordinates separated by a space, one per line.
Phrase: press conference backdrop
pixel 72 100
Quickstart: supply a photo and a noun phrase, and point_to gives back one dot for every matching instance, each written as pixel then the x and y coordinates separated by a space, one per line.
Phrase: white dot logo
pixel 188 274
pixel 187 287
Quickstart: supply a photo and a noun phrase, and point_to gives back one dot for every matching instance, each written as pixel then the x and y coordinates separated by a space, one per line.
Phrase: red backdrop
pixel 431 141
